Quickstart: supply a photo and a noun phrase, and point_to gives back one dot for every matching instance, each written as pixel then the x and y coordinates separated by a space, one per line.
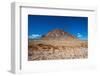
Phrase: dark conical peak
pixel 58 34
pixel 57 30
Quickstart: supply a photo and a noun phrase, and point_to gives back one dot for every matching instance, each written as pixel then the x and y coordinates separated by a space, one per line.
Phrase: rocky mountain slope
pixel 58 34
pixel 57 44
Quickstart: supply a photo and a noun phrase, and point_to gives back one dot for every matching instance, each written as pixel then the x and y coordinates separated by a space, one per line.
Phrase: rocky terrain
pixel 57 44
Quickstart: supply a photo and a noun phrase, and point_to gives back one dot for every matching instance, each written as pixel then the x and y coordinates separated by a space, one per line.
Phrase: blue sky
pixel 39 25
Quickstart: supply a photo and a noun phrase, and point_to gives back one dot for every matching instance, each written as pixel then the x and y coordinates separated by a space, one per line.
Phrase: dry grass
pixel 57 49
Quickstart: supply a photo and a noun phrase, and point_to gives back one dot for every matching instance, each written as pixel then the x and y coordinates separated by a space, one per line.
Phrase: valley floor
pixel 57 49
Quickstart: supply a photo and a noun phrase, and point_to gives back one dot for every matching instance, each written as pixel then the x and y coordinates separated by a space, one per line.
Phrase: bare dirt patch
pixel 57 49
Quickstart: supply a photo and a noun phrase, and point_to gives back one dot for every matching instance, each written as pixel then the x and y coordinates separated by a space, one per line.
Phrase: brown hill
pixel 58 34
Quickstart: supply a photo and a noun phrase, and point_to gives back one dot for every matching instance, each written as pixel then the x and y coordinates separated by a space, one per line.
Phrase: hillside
pixel 58 34
pixel 57 44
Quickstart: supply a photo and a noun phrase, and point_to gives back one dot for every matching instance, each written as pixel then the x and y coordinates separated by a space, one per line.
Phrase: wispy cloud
pixel 79 35
pixel 34 36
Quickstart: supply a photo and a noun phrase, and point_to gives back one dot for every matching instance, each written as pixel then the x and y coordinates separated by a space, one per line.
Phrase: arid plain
pixel 55 45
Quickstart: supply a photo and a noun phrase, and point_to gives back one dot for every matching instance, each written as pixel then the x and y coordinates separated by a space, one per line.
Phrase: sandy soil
pixel 57 49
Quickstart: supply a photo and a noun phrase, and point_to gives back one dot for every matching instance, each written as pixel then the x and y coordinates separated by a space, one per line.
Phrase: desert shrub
pixel 29 46
pixel 40 45
pixel 85 45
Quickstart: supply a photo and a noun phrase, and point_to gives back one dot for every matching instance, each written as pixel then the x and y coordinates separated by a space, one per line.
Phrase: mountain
pixel 58 34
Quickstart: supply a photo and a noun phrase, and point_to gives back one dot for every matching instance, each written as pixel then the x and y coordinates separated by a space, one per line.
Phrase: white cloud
pixel 33 36
pixel 79 35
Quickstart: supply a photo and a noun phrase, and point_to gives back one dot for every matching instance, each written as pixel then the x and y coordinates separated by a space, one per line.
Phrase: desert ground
pixel 57 49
